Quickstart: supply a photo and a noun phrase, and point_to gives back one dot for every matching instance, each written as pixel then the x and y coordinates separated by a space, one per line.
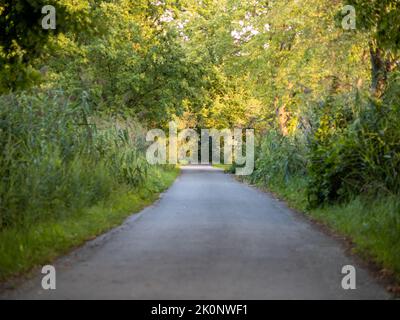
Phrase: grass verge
pixel 225 167
pixel 21 249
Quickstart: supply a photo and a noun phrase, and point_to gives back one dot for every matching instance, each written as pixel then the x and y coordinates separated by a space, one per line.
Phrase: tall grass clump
pixel 56 157
pixel 279 158
pixel 359 157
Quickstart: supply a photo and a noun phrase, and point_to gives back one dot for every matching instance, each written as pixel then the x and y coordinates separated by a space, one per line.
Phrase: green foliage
pixel 382 18
pixel 356 155
pixel 55 158
pixel 22 38
pixel 125 56
pixel 279 158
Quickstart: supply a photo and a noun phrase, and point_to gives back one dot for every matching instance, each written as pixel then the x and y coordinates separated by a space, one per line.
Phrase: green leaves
pixel 382 19
pixel 22 38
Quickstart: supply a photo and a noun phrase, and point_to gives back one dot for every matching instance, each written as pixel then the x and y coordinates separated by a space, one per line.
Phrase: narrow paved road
pixel 208 237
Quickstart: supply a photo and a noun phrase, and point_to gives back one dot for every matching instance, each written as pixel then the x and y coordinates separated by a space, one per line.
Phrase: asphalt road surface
pixel 208 237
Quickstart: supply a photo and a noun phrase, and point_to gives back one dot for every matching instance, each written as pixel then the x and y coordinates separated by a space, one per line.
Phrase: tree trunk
pixel 381 66
pixel 283 118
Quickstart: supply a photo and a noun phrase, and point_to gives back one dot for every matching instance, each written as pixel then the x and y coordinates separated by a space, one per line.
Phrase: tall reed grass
pixel 55 156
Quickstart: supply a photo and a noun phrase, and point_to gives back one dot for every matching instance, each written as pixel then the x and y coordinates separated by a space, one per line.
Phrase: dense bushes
pixel 361 158
pixel 56 158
